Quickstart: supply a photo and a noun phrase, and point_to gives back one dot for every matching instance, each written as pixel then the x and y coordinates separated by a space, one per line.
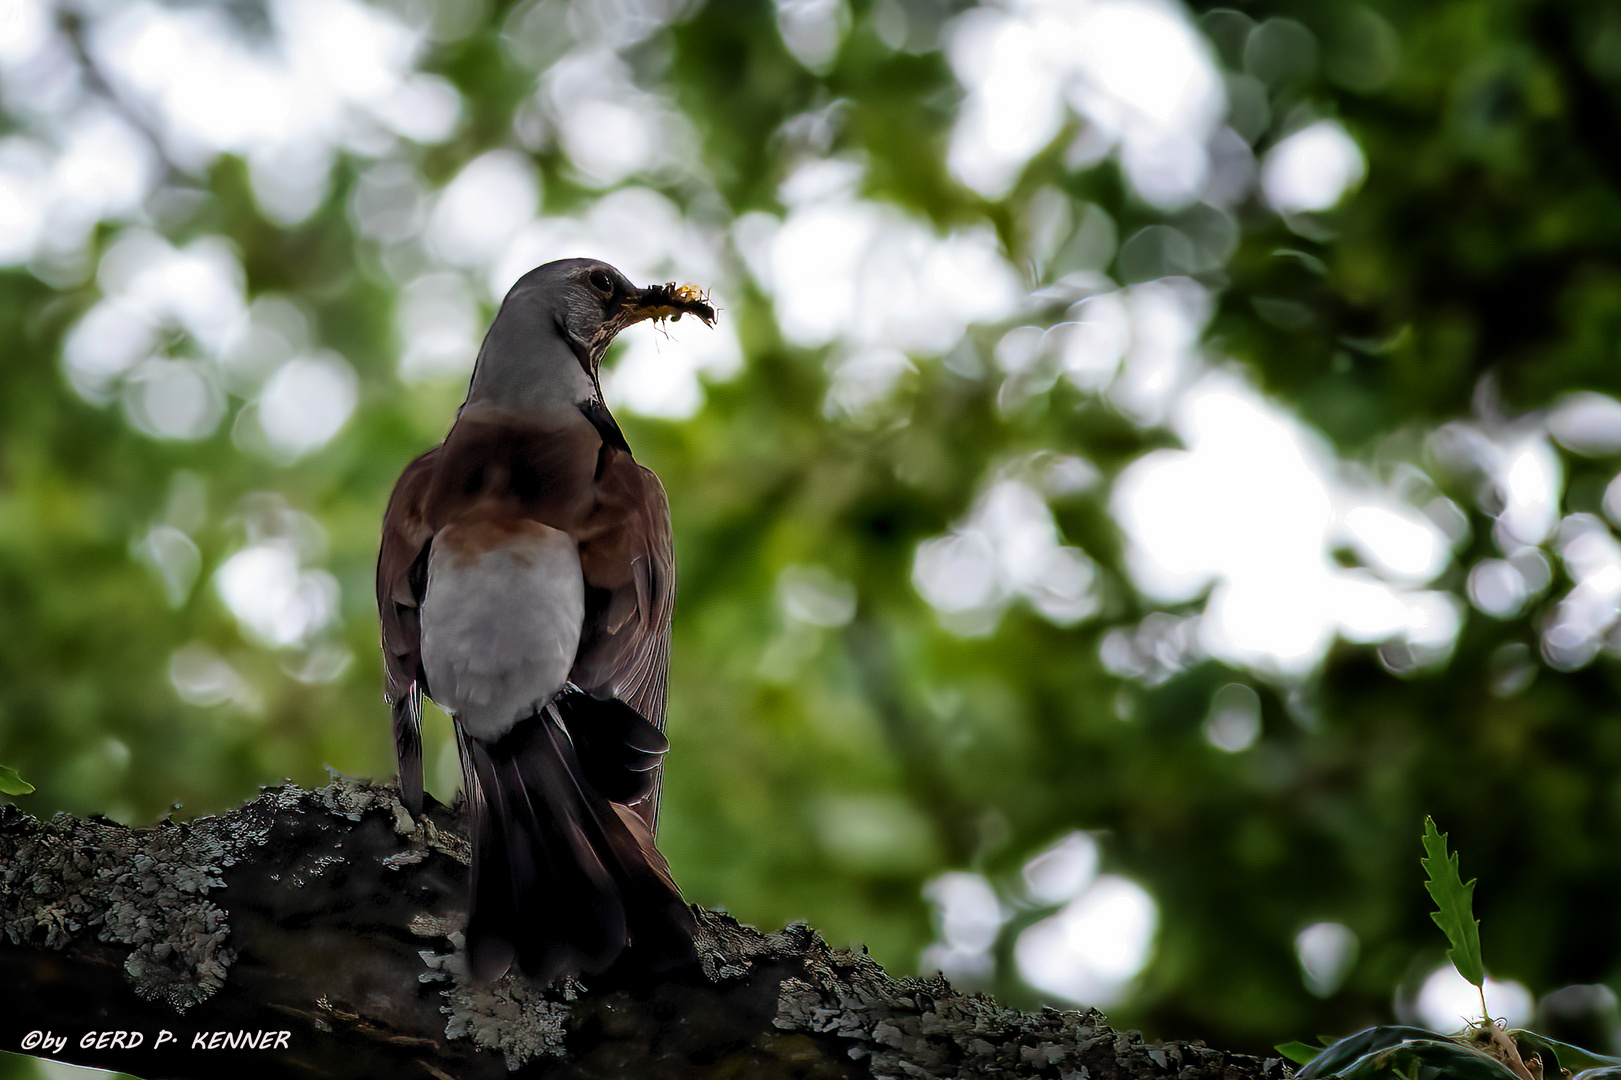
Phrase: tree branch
pixel 315 933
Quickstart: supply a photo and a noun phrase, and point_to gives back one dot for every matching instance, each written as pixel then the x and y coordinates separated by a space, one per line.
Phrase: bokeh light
pixel 1090 951
pixel 1327 951
pixel 1446 1001
pixel 1252 511
pixel 1312 169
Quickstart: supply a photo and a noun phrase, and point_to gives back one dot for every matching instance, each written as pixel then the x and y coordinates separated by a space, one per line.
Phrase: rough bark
pixel 329 920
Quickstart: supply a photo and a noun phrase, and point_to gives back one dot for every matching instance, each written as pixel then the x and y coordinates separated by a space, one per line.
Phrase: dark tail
pixel 564 880
pixel 408 748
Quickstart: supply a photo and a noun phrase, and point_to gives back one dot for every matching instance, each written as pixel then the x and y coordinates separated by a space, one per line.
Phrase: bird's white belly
pixel 500 624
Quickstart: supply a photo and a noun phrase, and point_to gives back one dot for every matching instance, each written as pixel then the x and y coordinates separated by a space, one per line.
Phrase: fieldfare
pixel 525 584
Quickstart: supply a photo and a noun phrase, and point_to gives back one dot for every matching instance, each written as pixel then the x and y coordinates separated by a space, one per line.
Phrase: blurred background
pixel 1150 455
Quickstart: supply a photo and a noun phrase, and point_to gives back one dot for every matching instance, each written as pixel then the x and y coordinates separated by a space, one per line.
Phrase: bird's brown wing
pixel 401 579
pixel 627 553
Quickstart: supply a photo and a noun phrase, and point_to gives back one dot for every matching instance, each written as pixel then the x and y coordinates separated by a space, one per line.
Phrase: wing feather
pixel 627 553
pixel 401 579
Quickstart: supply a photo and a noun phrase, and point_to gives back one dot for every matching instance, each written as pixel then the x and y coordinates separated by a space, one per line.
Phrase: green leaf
pixel 1428 1057
pixel 1298 1052
pixel 12 784
pixel 1456 900
pixel 1567 1055
pixel 1340 1054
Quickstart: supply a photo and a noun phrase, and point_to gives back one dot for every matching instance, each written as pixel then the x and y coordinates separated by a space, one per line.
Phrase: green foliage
pixel 1428 1057
pixel 1483 1049
pixel 1298 1052
pixel 1561 1054
pixel 1341 1054
pixel 13 784
pixel 1406 1051
pixel 1456 916
pixel 1482 1053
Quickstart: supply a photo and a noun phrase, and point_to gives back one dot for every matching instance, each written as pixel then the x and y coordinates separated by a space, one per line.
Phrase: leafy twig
pixel 1456 917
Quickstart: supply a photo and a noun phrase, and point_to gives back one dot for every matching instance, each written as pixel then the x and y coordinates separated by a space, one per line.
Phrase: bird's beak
pixel 669 301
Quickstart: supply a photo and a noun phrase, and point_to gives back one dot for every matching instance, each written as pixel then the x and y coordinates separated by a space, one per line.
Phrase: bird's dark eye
pixel 601 282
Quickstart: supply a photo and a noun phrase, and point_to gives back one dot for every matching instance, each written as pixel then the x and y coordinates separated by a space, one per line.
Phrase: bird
pixel 526 583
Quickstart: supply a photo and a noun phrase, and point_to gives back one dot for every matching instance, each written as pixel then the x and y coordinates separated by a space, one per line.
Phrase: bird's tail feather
pixel 408 747
pixel 561 882
pixel 618 750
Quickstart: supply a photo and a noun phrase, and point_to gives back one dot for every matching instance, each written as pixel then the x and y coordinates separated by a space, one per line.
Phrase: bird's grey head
pixel 555 325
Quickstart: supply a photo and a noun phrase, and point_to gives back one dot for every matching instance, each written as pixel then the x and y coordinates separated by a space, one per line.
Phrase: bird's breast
pixel 516 471
pixel 501 620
